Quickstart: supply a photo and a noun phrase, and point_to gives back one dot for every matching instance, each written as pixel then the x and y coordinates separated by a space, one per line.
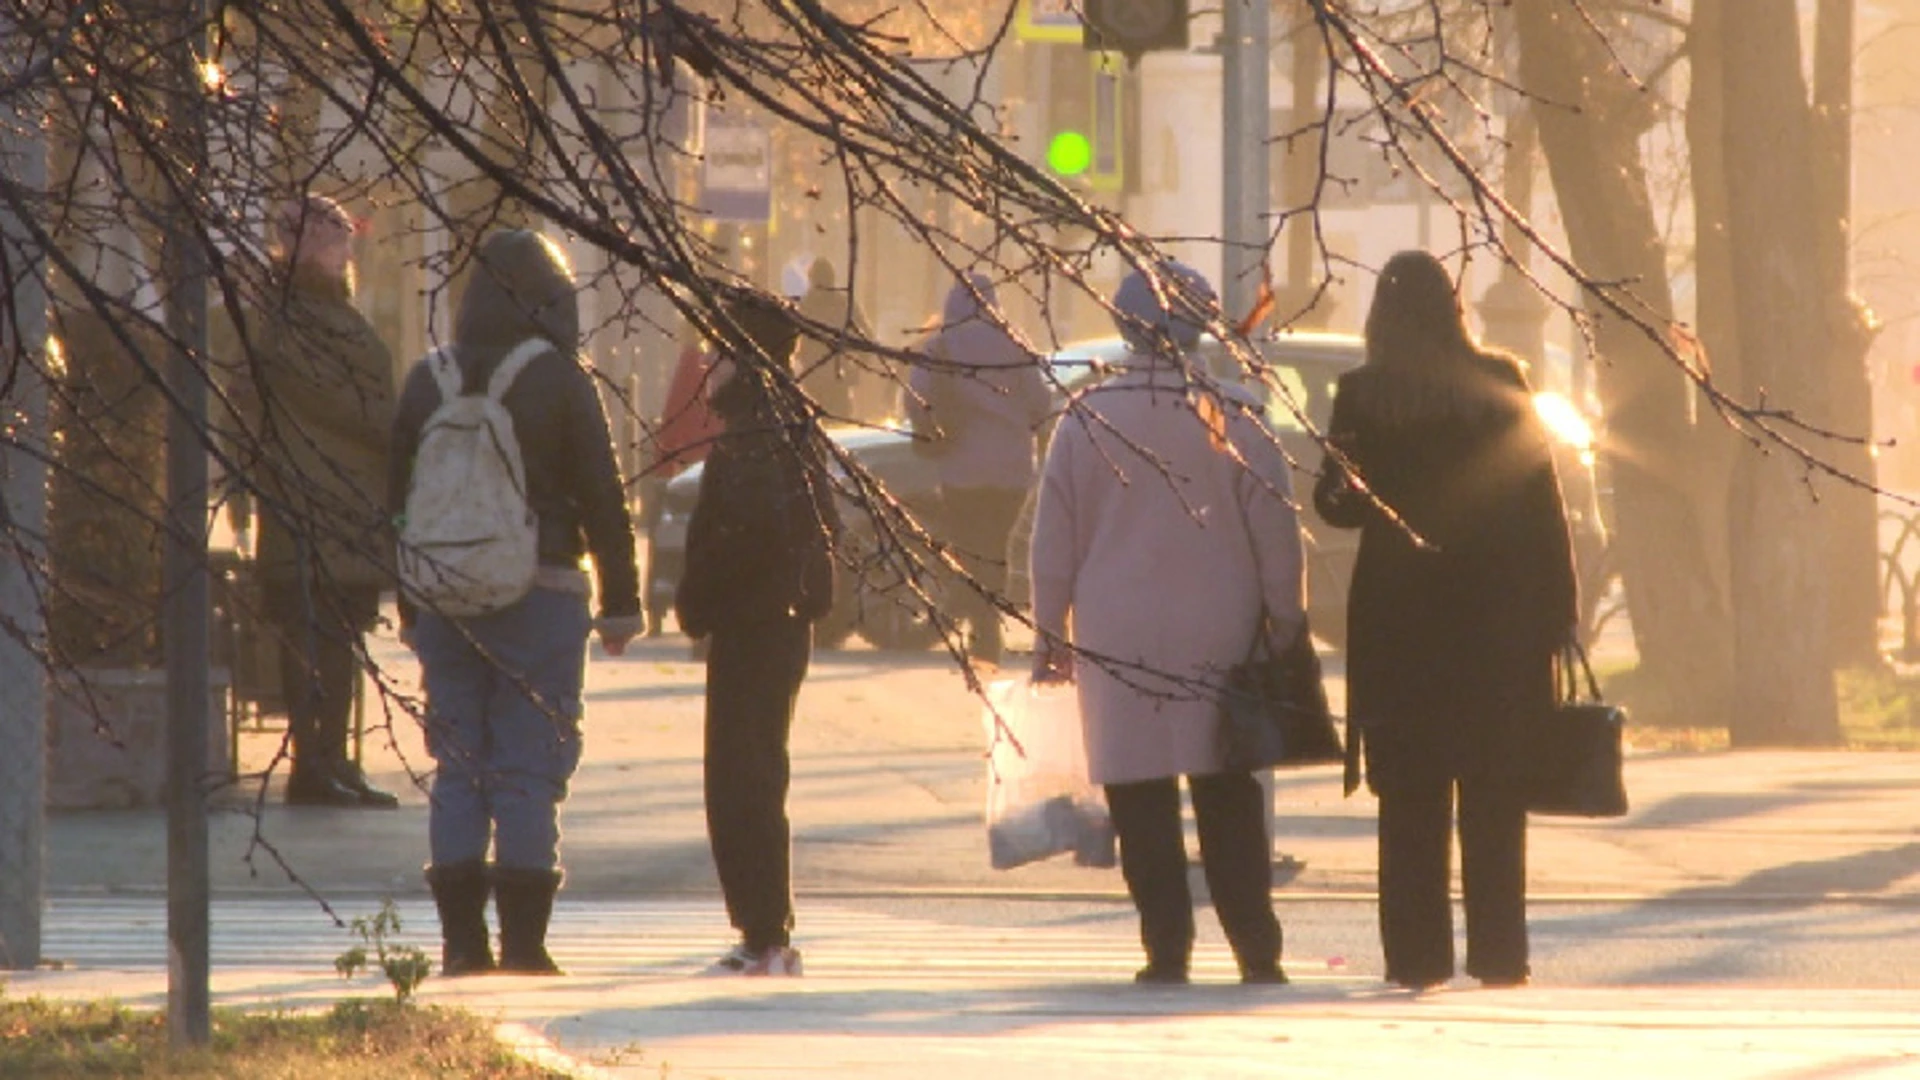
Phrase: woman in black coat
pixel 1462 593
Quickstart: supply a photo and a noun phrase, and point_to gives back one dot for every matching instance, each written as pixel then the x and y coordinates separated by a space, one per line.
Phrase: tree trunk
pixel 1591 120
pixel 1782 642
pixel 1850 512
pixel 1716 323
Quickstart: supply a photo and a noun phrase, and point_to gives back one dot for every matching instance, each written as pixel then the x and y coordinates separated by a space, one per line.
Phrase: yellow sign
pixel 1048 20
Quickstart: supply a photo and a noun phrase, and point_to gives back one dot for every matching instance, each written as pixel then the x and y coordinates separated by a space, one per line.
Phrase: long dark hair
pixel 1416 319
pixel 1429 363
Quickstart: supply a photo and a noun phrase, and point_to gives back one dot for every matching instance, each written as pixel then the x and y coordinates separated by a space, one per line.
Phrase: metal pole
pixel 1244 208
pixel 1244 194
pixel 23 486
pixel 187 612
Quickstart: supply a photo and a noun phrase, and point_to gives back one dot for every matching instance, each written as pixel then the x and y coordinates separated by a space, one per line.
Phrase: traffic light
pixel 1087 118
pixel 1069 134
pixel 1132 27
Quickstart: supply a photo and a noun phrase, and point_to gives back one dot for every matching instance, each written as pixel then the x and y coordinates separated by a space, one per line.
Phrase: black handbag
pixel 1273 709
pixel 1575 754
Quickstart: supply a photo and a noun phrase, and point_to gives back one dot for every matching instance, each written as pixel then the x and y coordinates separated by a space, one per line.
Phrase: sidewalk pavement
pixel 1027 1028
pixel 887 800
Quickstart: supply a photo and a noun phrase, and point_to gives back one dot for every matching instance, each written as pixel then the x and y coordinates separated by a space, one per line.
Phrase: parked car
pixel 873 599
pixel 885 593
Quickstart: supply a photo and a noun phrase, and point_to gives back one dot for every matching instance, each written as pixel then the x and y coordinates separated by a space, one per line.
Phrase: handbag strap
pixel 1261 643
pixel 1571 654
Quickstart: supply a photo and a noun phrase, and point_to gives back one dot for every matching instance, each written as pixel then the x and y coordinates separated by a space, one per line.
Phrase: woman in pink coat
pixel 1155 553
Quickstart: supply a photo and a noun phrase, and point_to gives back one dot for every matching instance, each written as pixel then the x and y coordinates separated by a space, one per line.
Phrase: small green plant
pixel 406 967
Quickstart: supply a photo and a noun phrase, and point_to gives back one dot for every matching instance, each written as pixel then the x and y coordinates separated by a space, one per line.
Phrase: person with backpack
pixel 759 573
pixel 504 476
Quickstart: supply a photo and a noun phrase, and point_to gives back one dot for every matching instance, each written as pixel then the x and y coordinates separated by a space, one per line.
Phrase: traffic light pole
pixel 1244 209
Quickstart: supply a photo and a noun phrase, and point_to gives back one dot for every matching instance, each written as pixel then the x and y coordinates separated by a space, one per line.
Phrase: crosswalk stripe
pixel 611 938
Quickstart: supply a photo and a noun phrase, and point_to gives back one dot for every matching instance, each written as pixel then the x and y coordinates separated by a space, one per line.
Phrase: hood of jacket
pixel 968 334
pixel 518 290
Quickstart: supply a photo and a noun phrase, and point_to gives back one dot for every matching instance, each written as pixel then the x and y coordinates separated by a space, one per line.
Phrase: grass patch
pixel 1879 710
pixel 355 1040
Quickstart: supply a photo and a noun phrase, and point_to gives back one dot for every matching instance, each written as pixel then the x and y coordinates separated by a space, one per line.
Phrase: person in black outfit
pixel 1456 610
pixel 759 573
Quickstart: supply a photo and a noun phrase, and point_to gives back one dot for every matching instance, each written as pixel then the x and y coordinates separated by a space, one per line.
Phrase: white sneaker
pixel 772 960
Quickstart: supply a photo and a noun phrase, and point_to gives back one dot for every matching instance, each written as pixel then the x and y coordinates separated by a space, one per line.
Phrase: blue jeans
pixel 503 725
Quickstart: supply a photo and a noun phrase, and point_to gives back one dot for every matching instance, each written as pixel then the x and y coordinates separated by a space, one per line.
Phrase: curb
pixel 534 1048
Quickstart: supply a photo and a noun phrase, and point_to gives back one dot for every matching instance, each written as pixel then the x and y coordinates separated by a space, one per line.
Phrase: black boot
pixel 460 892
pixel 348 774
pixel 524 899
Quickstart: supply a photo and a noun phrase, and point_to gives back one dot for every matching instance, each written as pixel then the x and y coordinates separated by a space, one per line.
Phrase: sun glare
pixel 1563 420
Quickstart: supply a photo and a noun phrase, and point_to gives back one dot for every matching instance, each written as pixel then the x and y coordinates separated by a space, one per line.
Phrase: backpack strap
pixel 513 363
pixel 445 368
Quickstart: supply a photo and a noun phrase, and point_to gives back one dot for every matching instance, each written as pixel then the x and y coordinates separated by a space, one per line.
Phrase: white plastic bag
pixel 1039 800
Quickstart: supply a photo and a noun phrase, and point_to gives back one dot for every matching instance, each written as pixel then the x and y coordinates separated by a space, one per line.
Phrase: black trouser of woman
pixel 1416 909
pixel 979 521
pixel 1234 852
pixel 753 679
pixel 319 635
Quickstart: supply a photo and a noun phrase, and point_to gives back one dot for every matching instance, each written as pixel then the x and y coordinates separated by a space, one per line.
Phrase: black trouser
pixel 753 677
pixel 319 668
pixel 1416 910
pixel 1234 851
pixel 979 521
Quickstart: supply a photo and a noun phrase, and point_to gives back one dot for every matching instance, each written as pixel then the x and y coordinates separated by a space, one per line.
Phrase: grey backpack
pixel 469 541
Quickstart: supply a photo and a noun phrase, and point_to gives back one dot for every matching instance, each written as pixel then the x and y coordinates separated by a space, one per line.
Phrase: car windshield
pixel 1078 363
pixel 1302 369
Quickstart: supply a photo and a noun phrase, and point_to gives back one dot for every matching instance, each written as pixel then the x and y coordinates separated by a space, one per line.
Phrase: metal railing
pixel 1900 573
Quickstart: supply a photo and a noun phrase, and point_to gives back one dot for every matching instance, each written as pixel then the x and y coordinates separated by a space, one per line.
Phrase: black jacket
pixel 760 545
pixel 1450 644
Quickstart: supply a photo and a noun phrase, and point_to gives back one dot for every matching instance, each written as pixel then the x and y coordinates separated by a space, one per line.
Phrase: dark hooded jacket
pixel 760 543
pixel 518 291
pixel 1451 635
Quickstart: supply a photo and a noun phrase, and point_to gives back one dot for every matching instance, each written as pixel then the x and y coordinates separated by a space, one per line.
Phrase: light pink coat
pixel 1157 549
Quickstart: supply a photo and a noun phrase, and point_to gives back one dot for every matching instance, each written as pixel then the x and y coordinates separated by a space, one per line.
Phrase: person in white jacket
pixel 1165 532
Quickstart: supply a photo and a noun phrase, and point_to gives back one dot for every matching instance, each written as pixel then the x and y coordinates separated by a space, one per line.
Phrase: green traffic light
pixel 1069 153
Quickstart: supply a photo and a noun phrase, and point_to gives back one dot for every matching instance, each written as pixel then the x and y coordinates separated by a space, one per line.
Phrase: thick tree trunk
pixel 1591 120
pixel 1784 694
pixel 1850 511
pixel 1716 322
